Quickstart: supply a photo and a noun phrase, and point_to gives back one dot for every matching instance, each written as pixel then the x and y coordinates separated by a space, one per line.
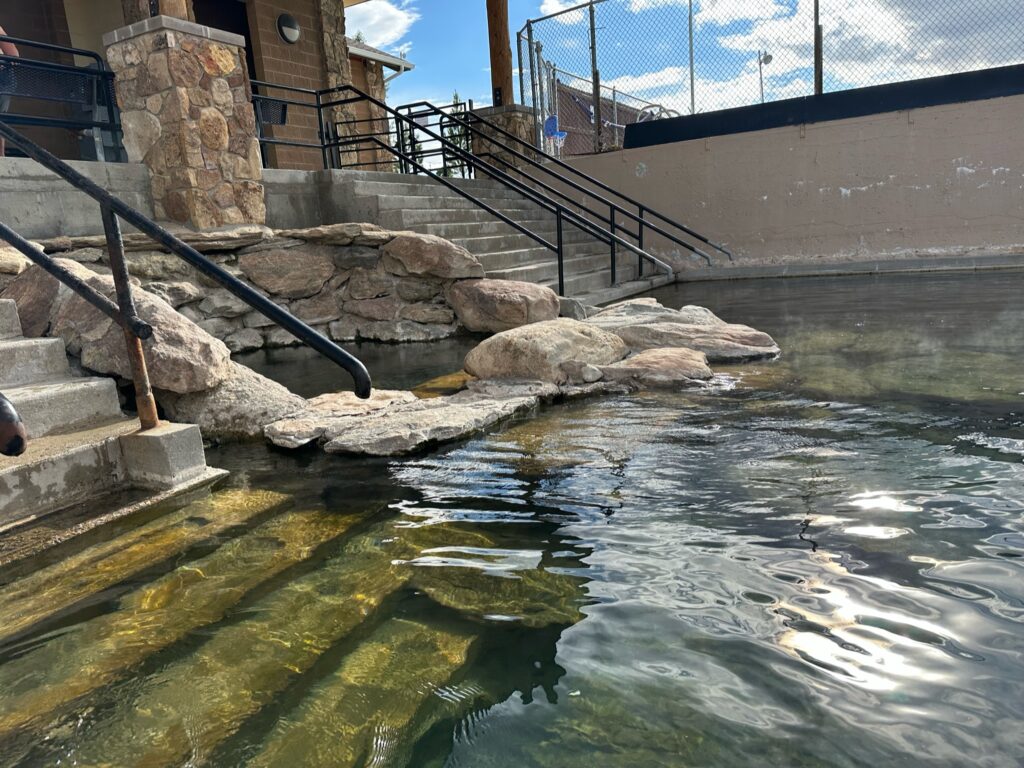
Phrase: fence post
pixel 693 79
pixel 145 403
pixel 522 73
pixel 819 53
pixel 533 85
pixel 598 128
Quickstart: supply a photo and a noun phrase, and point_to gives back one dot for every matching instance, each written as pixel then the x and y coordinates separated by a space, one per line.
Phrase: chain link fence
pixel 592 69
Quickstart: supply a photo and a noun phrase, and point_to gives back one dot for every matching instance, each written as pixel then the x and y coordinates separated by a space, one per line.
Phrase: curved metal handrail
pixel 112 205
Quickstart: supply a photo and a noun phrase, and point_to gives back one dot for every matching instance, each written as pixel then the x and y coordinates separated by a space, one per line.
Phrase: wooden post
pixel 501 53
pixel 181 9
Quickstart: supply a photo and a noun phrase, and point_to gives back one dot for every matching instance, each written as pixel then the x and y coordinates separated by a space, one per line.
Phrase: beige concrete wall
pixel 938 182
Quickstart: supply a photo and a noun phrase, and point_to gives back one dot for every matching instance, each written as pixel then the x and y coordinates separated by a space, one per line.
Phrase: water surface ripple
pixel 820 564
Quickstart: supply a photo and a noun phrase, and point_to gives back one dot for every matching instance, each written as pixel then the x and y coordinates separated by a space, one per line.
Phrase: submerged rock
pixel 492 306
pixel 550 351
pixel 662 368
pixel 721 343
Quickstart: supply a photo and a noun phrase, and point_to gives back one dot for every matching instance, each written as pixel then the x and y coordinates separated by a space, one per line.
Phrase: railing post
pixel 321 126
pixel 145 403
pixel 611 211
pixel 561 252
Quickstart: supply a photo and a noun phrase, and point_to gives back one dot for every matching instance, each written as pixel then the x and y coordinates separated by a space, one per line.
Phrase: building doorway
pixel 229 16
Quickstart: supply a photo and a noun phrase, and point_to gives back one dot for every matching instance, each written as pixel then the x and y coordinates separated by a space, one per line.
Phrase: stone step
pixel 26 361
pixel 10 325
pixel 51 407
pixel 59 471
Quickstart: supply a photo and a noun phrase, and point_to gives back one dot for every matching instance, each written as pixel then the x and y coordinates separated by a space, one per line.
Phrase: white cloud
pixel 649 80
pixel 381 22
pixel 555 6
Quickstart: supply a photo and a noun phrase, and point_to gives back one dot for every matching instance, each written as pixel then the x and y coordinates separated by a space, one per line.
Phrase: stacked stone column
pixel 514 118
pixel 186 109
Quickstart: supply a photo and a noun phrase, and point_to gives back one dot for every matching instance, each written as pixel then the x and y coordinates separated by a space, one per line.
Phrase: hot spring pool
pixel 822 565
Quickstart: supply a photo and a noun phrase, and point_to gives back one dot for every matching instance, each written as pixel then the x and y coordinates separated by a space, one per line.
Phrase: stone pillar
pixel 514 118
pixel 186 110
pixel 337 65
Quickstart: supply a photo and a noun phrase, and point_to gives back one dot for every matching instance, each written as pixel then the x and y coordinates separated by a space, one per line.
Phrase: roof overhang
pixel 396 63
pixel 350 3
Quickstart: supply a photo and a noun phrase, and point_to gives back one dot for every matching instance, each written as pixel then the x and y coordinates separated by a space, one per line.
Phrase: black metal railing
pixel 453 141
pixel 124 312
pixel 86 93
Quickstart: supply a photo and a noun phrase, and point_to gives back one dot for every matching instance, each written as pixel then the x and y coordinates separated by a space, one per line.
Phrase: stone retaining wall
pixel 348 281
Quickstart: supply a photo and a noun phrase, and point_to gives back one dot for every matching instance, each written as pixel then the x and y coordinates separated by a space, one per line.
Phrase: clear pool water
pixel 821 563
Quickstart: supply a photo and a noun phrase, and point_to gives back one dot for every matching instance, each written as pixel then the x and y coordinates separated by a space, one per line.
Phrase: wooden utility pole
pixel 501 53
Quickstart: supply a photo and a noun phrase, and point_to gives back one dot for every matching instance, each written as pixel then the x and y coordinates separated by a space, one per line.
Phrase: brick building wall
pixel 299 66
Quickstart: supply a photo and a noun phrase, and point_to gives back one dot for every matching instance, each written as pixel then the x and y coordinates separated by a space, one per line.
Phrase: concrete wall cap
pixel 158 23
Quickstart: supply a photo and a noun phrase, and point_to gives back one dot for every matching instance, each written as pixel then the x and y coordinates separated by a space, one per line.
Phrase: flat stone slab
pixel 394 423
pixel 721 343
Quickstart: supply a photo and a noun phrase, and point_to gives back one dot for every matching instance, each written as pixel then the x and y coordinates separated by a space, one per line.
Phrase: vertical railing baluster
pixel 561 252
pixel 145 403
pixel 614 242
pixel 640 245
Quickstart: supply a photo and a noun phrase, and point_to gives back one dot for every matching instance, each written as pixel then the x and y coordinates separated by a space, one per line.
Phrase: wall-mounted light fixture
pixel 288 28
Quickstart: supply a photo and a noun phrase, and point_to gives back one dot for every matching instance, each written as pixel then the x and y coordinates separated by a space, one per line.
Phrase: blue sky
pixel 447 41
pixel 644 47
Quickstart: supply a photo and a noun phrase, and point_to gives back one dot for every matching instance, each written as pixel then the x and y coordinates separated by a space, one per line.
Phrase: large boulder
pixel 236 409
pixel 721 343
pixel 646 311
pixel 552 351
pixel 294 273
pixel 414 255
pixel 492 306
pixel 662 368
pixel 181 357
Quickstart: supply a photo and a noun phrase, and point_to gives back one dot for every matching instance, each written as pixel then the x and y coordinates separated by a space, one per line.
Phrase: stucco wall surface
pixel 944 182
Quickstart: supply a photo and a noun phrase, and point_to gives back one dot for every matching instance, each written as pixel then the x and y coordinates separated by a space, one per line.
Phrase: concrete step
pixel 63 406
pixel 512 259
pixel 10 325
pixel 499 243
pixel 413 179
pixel 428 202
pixel 26 361
pixel 436 191
pixel 60 471
pixel 396 218
pixel 546 270
pixel 57 472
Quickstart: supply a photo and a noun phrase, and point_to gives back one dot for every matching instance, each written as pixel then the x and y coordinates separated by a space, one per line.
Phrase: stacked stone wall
pixel 187 114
